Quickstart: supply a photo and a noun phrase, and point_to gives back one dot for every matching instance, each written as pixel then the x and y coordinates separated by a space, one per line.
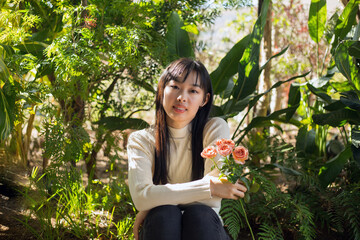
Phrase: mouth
pixel 179 109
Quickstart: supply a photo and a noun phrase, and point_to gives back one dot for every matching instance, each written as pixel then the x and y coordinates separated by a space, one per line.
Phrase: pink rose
pixel 209 152
pixel 224 150
pixel 240 154
pixel 224 141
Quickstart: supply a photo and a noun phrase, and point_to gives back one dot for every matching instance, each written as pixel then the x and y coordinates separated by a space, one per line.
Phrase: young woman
pixel 176 192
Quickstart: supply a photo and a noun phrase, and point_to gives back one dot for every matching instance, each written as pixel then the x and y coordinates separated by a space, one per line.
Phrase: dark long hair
pixel 183 67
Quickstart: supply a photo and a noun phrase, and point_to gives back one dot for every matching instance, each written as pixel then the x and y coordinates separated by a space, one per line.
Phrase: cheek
pixel 166 96
pixel 198 100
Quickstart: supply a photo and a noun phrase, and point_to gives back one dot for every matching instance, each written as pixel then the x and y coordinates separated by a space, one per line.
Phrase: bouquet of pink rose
pixel 232 168
pixel 233 159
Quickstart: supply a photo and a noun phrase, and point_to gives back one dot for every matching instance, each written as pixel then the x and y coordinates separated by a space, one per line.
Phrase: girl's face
pixel 182 100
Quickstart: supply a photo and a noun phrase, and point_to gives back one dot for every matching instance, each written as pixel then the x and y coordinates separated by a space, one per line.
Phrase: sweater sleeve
pixel 146 195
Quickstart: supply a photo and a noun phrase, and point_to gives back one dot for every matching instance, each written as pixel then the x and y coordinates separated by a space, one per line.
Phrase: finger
pixel 241 187
pixel 238 194
pixel 241 183
pixel 234 197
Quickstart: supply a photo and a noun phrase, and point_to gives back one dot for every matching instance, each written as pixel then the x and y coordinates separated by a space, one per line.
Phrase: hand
pixel 140 217
pixel 225 189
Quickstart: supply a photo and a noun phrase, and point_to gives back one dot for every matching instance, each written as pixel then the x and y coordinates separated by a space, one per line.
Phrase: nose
pixel 181 98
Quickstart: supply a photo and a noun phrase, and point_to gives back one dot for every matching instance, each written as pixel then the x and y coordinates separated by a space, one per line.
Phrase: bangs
pixel 180 71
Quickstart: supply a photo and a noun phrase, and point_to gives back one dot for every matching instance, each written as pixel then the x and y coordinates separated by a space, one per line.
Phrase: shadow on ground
pixel 12 207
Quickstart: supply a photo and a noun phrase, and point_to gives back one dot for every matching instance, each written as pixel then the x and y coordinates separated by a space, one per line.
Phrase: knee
pixel 201 214
pixel 164 214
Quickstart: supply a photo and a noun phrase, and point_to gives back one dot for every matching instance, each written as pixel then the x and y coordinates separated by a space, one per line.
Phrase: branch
pixel 140 110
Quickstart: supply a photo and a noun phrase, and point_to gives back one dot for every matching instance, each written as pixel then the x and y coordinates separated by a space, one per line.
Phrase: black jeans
pixel 183 223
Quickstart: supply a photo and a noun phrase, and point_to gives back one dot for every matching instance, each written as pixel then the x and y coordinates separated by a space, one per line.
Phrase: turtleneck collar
pixel 180 132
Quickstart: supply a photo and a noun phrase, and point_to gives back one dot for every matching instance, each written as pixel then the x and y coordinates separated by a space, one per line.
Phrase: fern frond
pixel 269 232
pixel 336 219
pixel 267 187
pixel 231 212
pixel 349 208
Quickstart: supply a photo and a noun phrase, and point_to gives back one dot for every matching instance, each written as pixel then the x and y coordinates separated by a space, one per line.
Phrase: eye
pixel 194 91
pixel 174 86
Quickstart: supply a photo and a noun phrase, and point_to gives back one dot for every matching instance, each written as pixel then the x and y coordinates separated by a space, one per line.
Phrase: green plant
pixel 124 228
pixel 74 210
pixel 236 96
pixel 344 110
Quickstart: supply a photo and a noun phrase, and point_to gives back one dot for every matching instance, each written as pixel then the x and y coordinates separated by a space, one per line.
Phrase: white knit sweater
pixel 180 189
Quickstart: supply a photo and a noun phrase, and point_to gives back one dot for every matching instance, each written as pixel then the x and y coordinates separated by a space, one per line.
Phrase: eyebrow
pixel 180 81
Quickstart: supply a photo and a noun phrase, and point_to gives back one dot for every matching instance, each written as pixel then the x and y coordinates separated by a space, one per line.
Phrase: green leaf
pixel 247 198
pixel 323 95
pixel 305 140
pixel 144 84
pixel 317 19
pixel 345 22
pixel 286 170
pixel 8 50
pixel 177 39
pixel 231 212
pixel 248 80
pixel 257 97
pixel 117 123
pixel 226 94
pixel 264 12
pixel 346 65
pixel 191 28
pixel 262 121
pixel 294 100
pixel 7 110
pixel 330 27
pixel 354 49
pixel 4 71
pixel 334 106
pixel 274 56
pixel 346 19
pixel 277 84
pixel 337 118
pixel 34 99
pixel 228 66
pixel 248 68
pixel 322 81
pixel 249 71
pixel 356 154
pixel 34 47
pixel 231 108
pixel 355 137
pixel 351 103
pixel 45 68
pixel 217 111
pixel 254 187
pixel 333 167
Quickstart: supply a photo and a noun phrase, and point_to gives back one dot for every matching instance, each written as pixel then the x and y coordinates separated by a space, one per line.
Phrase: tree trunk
pixel 279 100
pixel 20 145
pixel 27 139
pixel 264 108
pixel 90 158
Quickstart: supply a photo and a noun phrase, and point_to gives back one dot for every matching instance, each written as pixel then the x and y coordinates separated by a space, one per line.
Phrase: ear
pixel 206 99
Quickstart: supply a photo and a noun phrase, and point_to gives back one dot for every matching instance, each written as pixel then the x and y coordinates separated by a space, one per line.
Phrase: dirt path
pixel 12 205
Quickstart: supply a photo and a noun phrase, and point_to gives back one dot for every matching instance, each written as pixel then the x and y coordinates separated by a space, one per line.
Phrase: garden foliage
pixel 74 63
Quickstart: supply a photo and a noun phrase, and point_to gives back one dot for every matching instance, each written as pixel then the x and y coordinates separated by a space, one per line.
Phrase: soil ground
pixel 14 178
pixel 12 204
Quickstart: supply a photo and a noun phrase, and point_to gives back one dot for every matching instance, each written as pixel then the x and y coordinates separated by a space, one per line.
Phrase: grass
pixel 67 209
